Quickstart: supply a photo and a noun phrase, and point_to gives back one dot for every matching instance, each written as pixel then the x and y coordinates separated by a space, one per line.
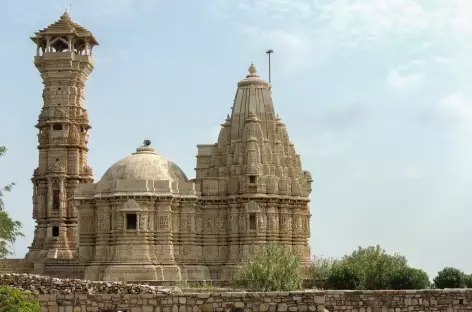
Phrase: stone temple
pixel 145 219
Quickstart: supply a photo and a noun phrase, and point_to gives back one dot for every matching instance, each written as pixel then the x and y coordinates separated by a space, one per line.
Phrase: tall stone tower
pixel 253 188
pixel 64 59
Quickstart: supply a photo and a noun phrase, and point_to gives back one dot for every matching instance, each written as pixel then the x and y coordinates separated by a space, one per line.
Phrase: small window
pixel 131 221
pixel 252 221
pixel 55 231
pixel 252 179
pixel 57 126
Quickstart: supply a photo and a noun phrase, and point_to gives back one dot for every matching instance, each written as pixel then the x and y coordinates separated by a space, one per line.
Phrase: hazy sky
pixel 376 95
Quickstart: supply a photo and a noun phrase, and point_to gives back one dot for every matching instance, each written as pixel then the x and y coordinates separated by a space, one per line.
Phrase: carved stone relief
pixel 142 221
pixel 163 222
pixel 150 222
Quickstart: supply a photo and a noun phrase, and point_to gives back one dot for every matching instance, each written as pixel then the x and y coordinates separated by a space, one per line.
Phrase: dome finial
pixel 65 15
pixel 146 147
pixel 252 69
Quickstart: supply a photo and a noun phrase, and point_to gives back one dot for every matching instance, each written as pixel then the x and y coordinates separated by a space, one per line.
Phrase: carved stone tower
pixel 253 188
pixel 64 59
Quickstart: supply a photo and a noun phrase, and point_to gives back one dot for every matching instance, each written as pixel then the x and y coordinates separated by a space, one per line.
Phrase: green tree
pixel 468 280
pixel 272 268
pixel 9 228
pixel 450 278
pixel 12 299
pixel 345 276
pixel 320 267
pixel 409 278
pixel 376 265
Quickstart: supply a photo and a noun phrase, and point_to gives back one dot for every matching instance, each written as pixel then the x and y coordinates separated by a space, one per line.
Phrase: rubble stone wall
pixel 74 295
pixel 448 300
pixel 196 302
pixel 333 301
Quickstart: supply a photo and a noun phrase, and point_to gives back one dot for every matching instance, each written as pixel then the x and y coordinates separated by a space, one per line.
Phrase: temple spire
pixel 253 94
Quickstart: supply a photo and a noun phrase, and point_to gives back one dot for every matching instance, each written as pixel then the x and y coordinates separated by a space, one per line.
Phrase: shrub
pixel 468 280
pixel 345 276
pixel 376 265
pixel 12 299
pixel 450 278
pixel 409 278
pixel 320 268
pixel 272 268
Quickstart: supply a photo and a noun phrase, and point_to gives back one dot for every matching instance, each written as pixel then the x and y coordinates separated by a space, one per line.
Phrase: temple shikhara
pixel 144 219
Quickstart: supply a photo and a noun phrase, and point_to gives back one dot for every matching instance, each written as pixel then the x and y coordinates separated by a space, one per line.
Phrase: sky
pixel 376 96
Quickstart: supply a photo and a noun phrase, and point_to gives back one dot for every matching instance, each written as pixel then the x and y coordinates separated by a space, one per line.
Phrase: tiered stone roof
pixel 65 26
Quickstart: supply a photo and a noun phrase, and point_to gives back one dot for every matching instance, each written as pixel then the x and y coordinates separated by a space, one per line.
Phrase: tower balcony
pixel 54 56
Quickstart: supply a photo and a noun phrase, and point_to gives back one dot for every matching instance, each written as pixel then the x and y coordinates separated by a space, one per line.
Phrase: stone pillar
pixel 285 217
pixel 86 231
pixel 103 230
pixel 164 248
pixel 187 232
pixel 210 249
pixel 176 229
pixel 199 238
pixel 233 233
pixel 272 222
pixel 300 234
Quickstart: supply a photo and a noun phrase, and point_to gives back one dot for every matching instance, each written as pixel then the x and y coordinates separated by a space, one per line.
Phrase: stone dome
pixel 144 164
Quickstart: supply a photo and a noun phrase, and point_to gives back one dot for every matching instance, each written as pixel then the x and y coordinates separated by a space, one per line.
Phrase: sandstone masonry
pixel 71 295
pixel 449 300
pixel 346 301
pixel 190 302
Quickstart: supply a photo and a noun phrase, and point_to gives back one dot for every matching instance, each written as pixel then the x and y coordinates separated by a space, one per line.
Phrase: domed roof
pixel 145 164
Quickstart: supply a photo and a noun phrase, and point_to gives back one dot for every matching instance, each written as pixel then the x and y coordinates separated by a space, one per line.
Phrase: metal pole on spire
pixel 269 52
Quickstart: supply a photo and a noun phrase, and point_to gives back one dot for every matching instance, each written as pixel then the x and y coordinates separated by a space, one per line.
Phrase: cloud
pixel 335 27
pixel 400 80
pixel 413 172
pixel 340 118
pixel 102 11
pixel 334 126
pixel 290 46
pixel 458 106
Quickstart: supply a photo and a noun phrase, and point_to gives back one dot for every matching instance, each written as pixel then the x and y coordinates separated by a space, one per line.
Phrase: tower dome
pixel 144 164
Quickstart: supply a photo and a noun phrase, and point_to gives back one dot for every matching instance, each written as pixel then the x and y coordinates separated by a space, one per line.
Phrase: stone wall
pixel 449 300
pixel 333 301
pixel 15 265
pixel 190 302
pixel 72 295
pixel 38 284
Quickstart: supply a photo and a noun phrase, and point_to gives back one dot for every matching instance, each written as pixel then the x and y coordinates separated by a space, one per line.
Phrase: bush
pixel 345 276
pixel 12 299
pixel 468 280
pixel 409 278
pixel 376 265
pixel 320 268
pixel 450 278
pixel 272 268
